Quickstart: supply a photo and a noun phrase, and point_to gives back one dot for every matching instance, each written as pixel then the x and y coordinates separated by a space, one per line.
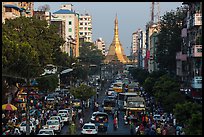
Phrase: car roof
pixel 46 130
pixel 90 124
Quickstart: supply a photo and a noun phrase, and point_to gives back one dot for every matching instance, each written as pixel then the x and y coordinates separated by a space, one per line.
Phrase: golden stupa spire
pixel 116 50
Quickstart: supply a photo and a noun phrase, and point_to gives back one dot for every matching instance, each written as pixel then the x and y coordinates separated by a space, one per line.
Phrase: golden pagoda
pixel 116 51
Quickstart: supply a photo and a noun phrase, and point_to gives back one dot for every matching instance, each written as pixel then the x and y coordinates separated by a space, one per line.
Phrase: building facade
pixel 100 43
pixel 85 27
pixel 12 10
pixel 71 28
pixel 43 15
pixel 189 59
pixel 151 41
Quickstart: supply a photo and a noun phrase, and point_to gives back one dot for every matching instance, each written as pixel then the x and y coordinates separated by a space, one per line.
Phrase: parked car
pixel 89 128
pixel 22 126
pixel 46 132
pixel 53 124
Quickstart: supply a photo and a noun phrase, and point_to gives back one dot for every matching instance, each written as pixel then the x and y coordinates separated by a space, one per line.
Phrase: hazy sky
pixel 131 17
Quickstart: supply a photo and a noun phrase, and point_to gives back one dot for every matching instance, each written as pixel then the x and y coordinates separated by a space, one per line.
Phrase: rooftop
pixel 63 11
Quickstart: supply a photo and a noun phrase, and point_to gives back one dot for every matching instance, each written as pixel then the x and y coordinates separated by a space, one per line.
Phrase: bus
pixel 135 107
pixel 118 87
pixel 109 104
pixel 122 99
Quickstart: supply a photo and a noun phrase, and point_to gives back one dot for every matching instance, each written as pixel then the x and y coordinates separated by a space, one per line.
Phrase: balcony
pixel 197 19
pixel 196 82
pixel 180 56
pixel 196 51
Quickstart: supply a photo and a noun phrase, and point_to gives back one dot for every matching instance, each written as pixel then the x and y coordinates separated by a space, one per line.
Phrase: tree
pixel 190 115
pixel 169 39
pixel 165 86
pixel 83 92
pixel 139 74
pixel 28 44
pixel 48 82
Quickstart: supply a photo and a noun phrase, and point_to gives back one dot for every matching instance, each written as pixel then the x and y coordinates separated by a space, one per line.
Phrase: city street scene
pixel 97 68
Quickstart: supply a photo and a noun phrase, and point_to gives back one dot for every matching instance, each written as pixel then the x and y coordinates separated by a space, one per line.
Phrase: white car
pixel 23 126
pixel 89 128
pixel 53 124
pixel 63 111
pixel 64 116
pixel 57 118
pixel 46 132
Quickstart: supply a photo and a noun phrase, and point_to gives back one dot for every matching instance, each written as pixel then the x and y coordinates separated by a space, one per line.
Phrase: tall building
pixel 11 10
pixel 151 40
pixel 138 48
pixel 100 43
pixel 85 27
pixel 189 59
pixel 71 27
pixel 116 51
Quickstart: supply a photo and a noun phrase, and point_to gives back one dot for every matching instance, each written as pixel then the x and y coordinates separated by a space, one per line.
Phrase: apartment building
pixel 151 41
pixel 11 10
pixel 100 43
pixel 85 27
pixel 189 59
pixel 43 15
pixel 71 18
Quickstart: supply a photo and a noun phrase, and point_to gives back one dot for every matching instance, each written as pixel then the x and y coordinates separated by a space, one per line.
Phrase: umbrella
pixel 8 107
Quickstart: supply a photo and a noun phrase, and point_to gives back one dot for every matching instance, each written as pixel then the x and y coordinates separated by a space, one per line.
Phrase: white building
pixel 85 27
pixel 100 43
pixel 71 27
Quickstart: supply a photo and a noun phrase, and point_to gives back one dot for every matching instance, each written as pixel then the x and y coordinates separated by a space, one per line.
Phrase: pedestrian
pixel 131 128
pixel 81 122
pixel 115 123
pixel 72 129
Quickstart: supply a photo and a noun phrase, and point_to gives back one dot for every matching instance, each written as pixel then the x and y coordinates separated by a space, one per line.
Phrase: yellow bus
pixel 118 87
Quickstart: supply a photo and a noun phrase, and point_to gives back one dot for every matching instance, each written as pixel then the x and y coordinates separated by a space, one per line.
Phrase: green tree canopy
pixel 83 92
pixel 190 115
pixel 28 44
pixel 48 83
pixel 169 39
pixel 139 74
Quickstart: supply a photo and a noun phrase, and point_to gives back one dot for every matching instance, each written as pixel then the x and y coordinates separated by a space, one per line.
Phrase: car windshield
pixel 46 132
pixel 51 122
pixel 89 127
pixel 63 114
pixel 53 118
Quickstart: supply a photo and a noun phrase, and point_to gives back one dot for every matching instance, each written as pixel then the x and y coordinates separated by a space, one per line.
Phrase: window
pixel 81 23
pixel 85 23
pixel 85 33
pixel 199 50
pixel 70 23
pixel 8 10
pixel 70 29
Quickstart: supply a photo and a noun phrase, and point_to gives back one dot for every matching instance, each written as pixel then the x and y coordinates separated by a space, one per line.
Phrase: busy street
pixel 97 68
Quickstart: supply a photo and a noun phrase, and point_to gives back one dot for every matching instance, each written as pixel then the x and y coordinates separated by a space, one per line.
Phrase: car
pixel 63 111
pixel 46 132
pixel 53 124
pixel 65 117
pixel 57 118
pixel 89 128
pixel 22 126
pixel 50 99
